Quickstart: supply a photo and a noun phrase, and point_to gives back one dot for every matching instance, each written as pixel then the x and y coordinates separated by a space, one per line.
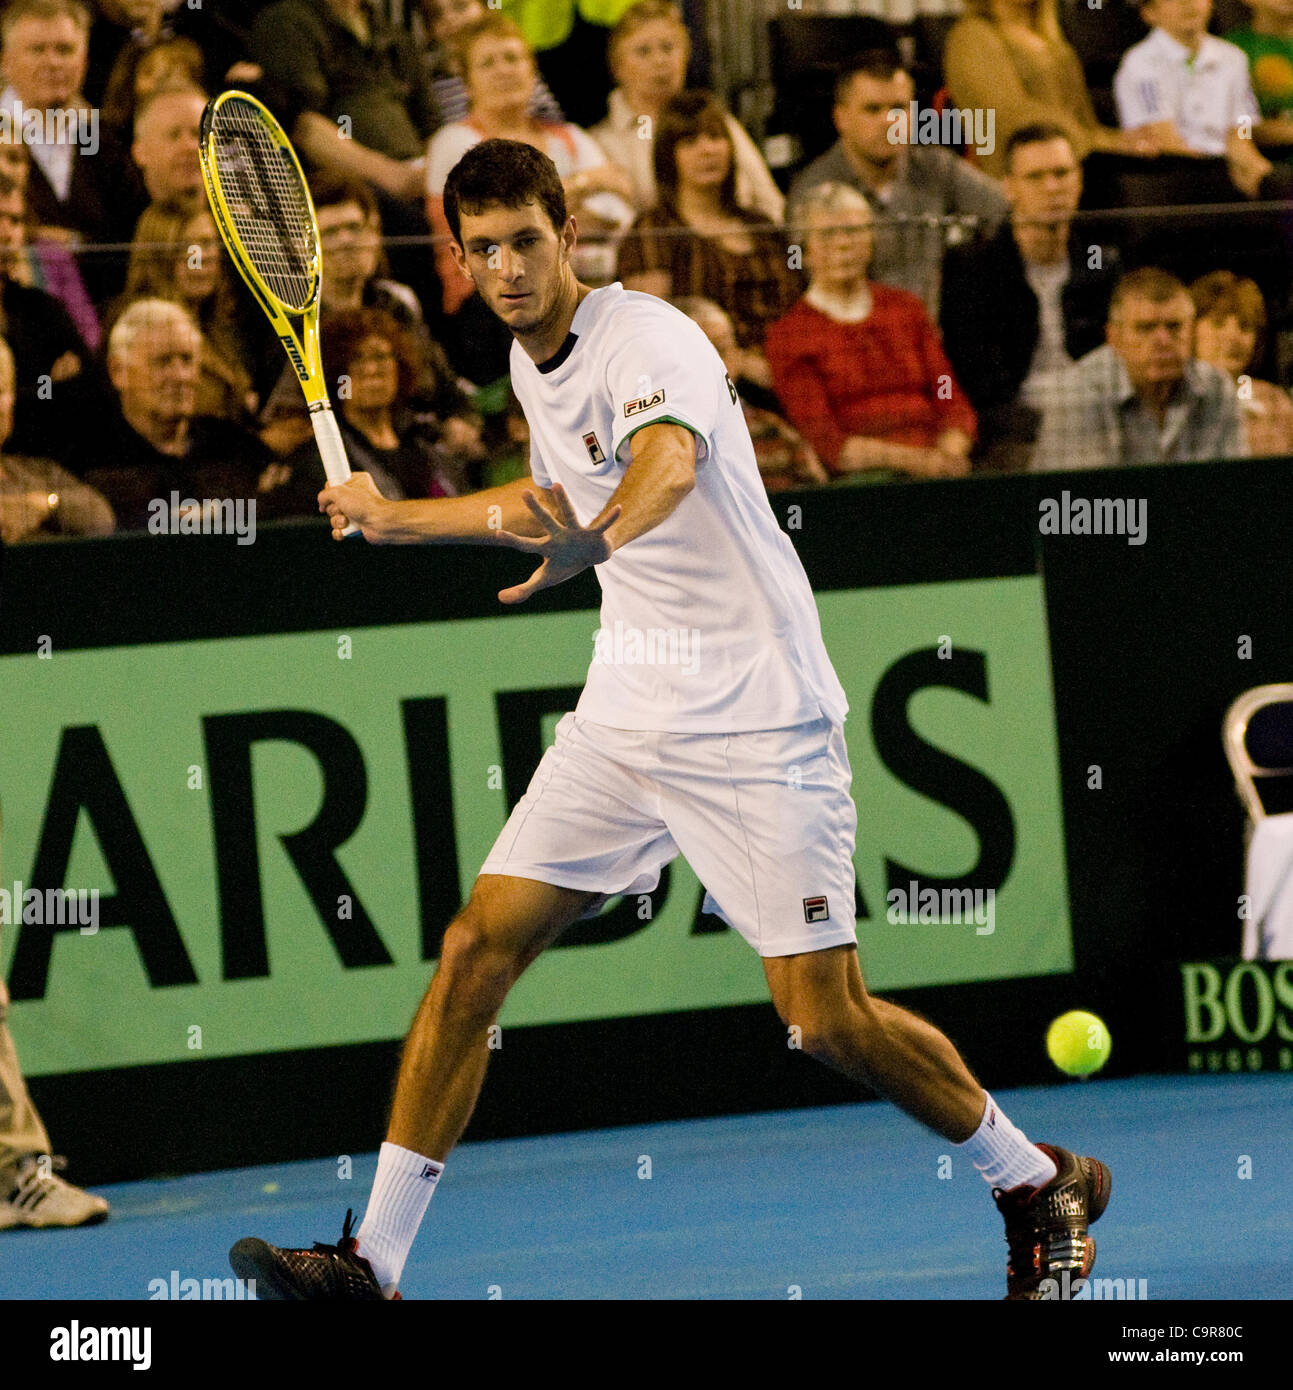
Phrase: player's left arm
pixel 661 472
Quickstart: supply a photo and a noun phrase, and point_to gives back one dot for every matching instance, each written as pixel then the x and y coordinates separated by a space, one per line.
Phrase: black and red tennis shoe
pixel 327 1272
pixel 1046 1227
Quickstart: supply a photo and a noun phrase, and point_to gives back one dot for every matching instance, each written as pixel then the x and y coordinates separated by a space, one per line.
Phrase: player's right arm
pixel 477 519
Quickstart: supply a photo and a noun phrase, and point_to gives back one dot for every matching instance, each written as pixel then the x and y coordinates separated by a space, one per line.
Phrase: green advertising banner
pixel 278 827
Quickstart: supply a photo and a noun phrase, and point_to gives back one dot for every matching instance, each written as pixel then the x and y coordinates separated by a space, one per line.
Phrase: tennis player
pixel 727 746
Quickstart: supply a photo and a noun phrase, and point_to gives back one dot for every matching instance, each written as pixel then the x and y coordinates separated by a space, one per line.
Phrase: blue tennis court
pixel 844 1202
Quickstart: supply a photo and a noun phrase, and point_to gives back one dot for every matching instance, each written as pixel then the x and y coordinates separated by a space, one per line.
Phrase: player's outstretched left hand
pixel 567 549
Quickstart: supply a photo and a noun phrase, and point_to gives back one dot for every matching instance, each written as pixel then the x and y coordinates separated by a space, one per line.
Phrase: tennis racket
pixel 265 216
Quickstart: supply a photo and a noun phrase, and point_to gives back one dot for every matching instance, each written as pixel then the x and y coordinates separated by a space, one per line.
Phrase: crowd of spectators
pixel 895 306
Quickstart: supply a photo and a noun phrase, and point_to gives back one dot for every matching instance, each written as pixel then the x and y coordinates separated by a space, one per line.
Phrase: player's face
pixel 518 261
pixel 1153 339
pixel 651 64
pixel 1226 343
pixel 45 60
pixel 1045 182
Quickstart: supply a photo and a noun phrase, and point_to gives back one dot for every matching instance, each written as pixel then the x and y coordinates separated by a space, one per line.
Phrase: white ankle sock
pixel 1003 1154
pixel 401 1190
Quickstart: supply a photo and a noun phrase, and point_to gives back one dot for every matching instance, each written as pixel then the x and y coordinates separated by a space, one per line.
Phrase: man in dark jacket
pixel 1024 303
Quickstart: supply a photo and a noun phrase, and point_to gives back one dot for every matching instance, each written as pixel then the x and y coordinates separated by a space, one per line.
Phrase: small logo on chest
pixel 594 448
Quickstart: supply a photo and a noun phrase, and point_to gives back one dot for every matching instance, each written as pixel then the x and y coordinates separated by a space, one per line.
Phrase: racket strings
pixel 267 203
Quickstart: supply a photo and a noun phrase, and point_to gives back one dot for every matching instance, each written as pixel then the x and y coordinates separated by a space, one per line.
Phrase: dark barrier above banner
pixel 246 787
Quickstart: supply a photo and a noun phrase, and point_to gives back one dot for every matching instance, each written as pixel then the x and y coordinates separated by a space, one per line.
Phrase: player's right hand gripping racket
pixel 265 216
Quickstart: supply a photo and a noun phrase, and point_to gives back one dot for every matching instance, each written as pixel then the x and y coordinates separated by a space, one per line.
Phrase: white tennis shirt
pixel 1207 94
pixel 708 623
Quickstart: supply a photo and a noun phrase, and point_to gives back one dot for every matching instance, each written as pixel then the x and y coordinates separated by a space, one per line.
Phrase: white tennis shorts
pixel 765 819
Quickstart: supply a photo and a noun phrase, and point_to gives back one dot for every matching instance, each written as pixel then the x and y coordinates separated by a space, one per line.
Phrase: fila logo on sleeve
pixel 636 407
pixel 815 910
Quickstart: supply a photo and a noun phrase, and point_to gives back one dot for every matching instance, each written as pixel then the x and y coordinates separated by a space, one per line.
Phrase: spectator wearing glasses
pixel 499 71
pixel 372 366
pixel 445 20
pixel 350 231
pixel 1142 397
pixel 858 365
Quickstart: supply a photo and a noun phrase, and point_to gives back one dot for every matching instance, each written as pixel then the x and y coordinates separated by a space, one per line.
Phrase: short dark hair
pixel 1149 282
pixel 880 63
pixel 683 118
pixel 1038 133
pixel 503 173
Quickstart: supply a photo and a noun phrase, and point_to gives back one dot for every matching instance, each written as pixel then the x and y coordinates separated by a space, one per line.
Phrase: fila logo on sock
pixel 431 1171
pixel 815 910
pixel 992 1117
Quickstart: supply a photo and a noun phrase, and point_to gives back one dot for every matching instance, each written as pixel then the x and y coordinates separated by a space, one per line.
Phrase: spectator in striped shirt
pixel 859 366
pixel 499 71
pixel 445 20
pixel 698 240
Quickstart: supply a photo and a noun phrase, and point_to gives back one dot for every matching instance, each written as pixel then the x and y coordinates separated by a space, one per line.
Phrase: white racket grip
pixel 331 449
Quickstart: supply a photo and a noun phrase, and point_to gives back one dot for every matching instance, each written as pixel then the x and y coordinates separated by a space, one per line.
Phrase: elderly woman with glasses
pixel 859 366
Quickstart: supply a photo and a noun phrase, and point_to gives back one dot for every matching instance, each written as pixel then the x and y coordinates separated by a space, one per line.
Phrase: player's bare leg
pixel 893 1051
pixel 1047 1195
pixel 506 924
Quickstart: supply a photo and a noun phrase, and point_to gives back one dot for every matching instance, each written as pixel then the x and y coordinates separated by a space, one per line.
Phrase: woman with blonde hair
pixel 1010 57
pixel 176 255
pixel 1229 327
pixel 648 52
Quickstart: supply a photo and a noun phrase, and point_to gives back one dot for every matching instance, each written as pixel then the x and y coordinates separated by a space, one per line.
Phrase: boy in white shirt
pixel 1191 91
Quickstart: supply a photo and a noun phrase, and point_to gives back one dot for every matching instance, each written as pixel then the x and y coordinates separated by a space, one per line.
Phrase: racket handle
pixel 332 449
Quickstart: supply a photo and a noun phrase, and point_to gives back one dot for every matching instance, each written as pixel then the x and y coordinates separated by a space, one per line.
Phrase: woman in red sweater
pixel 859 366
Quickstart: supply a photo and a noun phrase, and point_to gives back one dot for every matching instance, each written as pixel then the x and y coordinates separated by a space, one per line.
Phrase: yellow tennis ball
pixel 1078 1043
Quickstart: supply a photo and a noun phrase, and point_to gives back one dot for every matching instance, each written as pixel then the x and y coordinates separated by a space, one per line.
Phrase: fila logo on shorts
pixel 644 403
pixel 594 448
pixel 815 910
